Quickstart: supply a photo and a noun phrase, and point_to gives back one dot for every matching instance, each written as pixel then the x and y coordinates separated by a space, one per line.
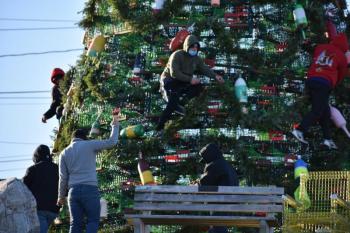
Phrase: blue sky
pixel 21 129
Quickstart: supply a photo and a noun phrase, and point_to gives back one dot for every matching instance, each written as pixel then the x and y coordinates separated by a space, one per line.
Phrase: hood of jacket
pixel 210 153
pixel 341 42
pixel 189 41
pixel 41 153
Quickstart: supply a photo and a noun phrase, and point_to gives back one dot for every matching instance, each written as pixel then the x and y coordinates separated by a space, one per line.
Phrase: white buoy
pixel 103 212
pixel 299 15
pixel 339 120
pixel 241 90
pixel 158 5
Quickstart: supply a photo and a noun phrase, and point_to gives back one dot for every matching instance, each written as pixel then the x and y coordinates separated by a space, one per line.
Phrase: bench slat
pixel 208 207
pixel 263 199
pixel 239 221
pixel 211 189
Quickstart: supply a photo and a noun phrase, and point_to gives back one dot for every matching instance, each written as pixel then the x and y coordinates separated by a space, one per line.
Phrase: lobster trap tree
pixel 262 51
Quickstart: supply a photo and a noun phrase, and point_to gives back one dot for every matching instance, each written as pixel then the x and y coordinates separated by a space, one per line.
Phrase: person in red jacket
pixel 55 107
pixel 327 70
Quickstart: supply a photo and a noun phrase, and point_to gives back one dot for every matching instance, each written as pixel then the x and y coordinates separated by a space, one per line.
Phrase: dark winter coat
pixel 181 66
pixel 217 171
pixel 55 107
pixel 42 180
pixel 329 61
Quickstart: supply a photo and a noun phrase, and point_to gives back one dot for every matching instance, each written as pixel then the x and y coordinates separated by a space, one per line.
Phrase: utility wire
pixel 25 97
pixel 36 29
pixel 22 92
pixel 39 53
pixel 12 169
pixel 20 143
pixel 14 156
pixel 38 20
pixel 25 104
pixel 13 160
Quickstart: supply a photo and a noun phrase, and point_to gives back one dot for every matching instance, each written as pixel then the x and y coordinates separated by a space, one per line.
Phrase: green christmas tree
pixel 127 47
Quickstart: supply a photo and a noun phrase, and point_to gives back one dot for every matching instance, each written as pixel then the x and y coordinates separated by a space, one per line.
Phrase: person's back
pixel 77 175
pixel 329 61
pixel 44 185
pixel 217 172
pixel 80 160
pixel 328 69
pixel 42 181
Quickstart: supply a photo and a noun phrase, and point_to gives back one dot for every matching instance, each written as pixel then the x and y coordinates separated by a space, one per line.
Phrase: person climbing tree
pixel 327 70
pixel 177 79
pixel 55 107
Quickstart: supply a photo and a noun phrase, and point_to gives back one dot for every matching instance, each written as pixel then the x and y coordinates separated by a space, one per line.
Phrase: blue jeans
pixel 84 200
pixel 45 219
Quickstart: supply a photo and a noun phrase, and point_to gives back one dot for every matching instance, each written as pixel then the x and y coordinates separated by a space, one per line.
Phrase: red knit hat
pixel 56 74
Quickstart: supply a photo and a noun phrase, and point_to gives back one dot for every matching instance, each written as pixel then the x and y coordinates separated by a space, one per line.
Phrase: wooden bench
pixel 206 205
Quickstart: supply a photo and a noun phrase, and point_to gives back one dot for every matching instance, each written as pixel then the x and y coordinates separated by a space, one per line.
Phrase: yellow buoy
pixel 97 45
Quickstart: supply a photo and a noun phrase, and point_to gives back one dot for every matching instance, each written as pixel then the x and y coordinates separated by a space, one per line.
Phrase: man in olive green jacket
pixel 177 78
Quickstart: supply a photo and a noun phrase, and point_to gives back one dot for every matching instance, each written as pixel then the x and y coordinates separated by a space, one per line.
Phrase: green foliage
pixel 64 135
pixel 139 13
pixel 94 18
pixel 270 52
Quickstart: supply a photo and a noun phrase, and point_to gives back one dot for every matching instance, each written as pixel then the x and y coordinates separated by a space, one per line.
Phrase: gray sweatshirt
pixel 77 162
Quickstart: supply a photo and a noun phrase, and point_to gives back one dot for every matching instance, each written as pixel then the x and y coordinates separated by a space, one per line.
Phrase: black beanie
pixel 210 153
pixel 41 153
pixel 80 133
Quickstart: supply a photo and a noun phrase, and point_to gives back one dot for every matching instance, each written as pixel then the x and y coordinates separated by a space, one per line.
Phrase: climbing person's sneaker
pixel 299 135
pixel 329 143
pixel 180 110
pixel 158 133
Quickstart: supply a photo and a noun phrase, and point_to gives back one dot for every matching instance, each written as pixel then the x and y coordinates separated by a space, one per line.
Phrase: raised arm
pixel 98 145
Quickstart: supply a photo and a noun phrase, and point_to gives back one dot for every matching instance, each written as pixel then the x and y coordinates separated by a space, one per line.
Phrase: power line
pixel 25 97
pixel 14 156
pixel 20 143
pixel 22 92
pixel 39 53
pixel 13 160
pixel 36 29
pixel 25 104
pixel 12 169
pixel 38 20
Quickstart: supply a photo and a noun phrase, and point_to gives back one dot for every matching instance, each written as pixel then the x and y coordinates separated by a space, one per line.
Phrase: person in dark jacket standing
pixel 327 70
pixel 177 78
pixel 217 172
pixel 55 107
pixel 42 181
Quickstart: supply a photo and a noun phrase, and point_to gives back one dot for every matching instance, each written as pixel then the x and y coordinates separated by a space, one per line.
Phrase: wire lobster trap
pixel 328 208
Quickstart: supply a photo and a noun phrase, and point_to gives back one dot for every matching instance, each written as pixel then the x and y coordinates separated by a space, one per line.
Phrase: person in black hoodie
pixel 55 107
pixel 217 172
pixel 42 180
